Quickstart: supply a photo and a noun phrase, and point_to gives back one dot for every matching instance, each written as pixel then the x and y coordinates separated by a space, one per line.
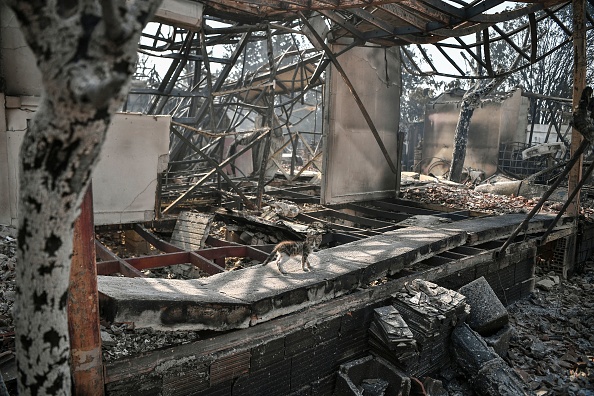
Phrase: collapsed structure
pixel 247 113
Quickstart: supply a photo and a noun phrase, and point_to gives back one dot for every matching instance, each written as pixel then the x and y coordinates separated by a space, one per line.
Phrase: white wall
pixel 125 179
pixel 354 167
pixel 17 63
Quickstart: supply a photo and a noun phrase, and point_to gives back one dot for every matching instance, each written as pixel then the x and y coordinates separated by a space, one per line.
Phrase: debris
pixel 374 387
pixel 423 221
pixel 285 209
pixel 107 339
pixel 370 374
pixel 525 188
pixel 391 338
pixel 487 372
pixel 431 312
pixel 434 387
pixel 500 340
pixel 545 284
pixel 191 230
pixel 487 313
pixel 468 199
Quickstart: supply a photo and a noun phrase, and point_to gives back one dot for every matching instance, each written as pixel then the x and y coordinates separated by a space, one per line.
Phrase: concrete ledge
pixel 238 299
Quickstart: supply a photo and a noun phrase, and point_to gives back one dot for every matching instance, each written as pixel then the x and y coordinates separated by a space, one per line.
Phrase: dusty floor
pixel 553 348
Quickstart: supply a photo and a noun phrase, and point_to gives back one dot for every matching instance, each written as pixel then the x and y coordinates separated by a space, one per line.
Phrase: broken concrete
pixel 487 372
pixel 487 313
pixel 500 340
pixel 366 374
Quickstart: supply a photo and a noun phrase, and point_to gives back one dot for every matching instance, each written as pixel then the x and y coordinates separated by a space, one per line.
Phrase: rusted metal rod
pixel 576 156
pixel 83 306
pixel 568 202
pixel 213 163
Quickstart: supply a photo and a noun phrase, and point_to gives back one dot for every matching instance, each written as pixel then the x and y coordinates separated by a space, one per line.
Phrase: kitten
pixel 287 249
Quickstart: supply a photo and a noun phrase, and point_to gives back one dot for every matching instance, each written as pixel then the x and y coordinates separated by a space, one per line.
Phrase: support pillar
pixel 83 307
pixel 579 83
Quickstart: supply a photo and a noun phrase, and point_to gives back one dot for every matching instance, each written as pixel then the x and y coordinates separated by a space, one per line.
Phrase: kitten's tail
pixel 270 256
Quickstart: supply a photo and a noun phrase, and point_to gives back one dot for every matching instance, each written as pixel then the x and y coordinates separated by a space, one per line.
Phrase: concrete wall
pixel 18 67
pixel 124 181
pixel 492 123
pixel 354 167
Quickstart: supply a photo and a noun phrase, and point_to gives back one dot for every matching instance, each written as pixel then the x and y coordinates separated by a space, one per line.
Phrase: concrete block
pixel 500 340
pixel 487 313
pixel 352 374
pixel 470 349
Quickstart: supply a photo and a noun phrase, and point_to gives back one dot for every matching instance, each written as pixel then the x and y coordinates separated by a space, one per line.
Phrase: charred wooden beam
pixel 83 307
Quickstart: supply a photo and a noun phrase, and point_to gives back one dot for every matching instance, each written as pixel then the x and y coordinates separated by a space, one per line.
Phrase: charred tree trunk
pixel 86 52
pixel 583 119
pixel 470 101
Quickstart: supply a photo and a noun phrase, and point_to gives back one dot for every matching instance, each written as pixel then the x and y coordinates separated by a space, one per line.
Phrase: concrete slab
pixel 238 299
pixel 169 304
pixel 485 229
pixel 487 313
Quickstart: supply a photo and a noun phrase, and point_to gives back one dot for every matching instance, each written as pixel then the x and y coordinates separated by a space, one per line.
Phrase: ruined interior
pixel 255 122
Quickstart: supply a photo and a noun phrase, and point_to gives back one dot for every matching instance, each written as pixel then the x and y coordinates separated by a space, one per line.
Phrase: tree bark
pixel 86 52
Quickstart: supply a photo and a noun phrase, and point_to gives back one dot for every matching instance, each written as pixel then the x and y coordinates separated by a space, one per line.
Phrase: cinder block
pixel 267 354
pixel 271 381
pixel 487 313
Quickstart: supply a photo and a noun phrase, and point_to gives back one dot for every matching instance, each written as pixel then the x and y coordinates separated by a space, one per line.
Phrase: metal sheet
pixel 354 166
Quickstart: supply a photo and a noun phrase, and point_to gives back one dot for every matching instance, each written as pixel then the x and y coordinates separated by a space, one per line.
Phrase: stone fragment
pixel 487 313
pixel 107 339
pixel 352 375
pixel 545 284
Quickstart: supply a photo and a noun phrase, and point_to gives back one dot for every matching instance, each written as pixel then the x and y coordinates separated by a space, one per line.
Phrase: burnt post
pixel 579 83
pixel 83 306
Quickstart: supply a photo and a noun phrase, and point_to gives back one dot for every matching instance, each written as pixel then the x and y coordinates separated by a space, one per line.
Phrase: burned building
pixel 275 121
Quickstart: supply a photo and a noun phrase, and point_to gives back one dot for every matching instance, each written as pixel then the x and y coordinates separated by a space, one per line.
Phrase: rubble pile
pixel 553 348
pixel 119 340
pixel 458 197
pixel 391 338
pixel 7 279
pixel 429 313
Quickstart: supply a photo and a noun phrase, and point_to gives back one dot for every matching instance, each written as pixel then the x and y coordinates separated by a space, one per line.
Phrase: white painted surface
pixel 18 65
pixel 125 179
pixel 354 167
pixel 182 13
